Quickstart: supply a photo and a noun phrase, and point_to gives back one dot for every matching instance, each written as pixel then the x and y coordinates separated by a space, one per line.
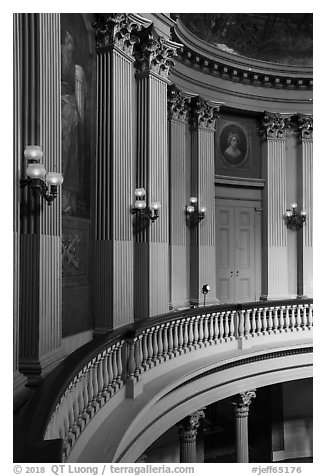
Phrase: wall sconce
pixel 294 220
pixel 140 208
pixel 42 183
pixel 205 289
pixel 194 213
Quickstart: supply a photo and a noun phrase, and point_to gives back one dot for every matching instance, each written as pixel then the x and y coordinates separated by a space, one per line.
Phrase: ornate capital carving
pixel 188 427
pixel 154 53
pixel 241 403
pixel 117 29
pixel 274 126
pixel 178 104
pixel 204 113
pixel 304 123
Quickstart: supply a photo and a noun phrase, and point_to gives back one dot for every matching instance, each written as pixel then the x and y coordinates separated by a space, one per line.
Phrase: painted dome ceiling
pixel 285 38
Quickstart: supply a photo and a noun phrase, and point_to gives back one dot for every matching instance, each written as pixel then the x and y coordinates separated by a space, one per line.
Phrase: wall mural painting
pixel 233 145
pixel 75 115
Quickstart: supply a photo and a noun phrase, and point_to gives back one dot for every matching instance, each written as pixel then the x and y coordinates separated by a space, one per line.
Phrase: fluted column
pixel 188 437
pixel 114 280
pixel 274 249
pixel 19 379
pixel 202 247
pixel 153 59
pixel 178 114
pixel 241 404
pixel 305 193
pixel 40 237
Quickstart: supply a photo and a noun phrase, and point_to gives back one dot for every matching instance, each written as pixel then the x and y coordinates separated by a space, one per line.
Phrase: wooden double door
pixel 238 247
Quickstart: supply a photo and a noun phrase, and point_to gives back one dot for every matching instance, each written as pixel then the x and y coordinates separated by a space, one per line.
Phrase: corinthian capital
pixel 178 104
pixel 154 53
pixel 190 424
pixel 242 401
pixel 118 29
pixel 204 113
pixel 274 126
pixel 304 123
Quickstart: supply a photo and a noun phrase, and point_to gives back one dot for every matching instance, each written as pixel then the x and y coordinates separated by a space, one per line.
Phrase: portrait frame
pixel 235 155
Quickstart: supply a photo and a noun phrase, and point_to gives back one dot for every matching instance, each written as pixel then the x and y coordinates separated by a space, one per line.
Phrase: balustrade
pixel 106 372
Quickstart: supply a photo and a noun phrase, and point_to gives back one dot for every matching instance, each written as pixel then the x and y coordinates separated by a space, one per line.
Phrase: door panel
pixel 235 253
pixel 225 252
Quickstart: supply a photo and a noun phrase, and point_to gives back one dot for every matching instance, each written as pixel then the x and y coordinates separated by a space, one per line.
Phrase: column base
pixel 36 369
pixel 20 391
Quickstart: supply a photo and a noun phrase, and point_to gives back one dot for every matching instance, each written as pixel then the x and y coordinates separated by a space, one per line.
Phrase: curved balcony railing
pixel 91 376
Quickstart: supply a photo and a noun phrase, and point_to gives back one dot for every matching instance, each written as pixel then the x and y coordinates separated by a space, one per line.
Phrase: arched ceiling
pixel 285 38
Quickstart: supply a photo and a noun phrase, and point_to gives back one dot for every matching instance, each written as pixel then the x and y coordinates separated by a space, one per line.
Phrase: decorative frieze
pixel 118 29
pixel 204 113
pixel 179 104
pixel 274 125
pixel 154 53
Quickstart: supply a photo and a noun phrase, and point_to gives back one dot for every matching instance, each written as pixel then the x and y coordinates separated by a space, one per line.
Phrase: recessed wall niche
pixel 237 147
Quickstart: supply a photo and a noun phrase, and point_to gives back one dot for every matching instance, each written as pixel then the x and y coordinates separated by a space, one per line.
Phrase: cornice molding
pixel 198 54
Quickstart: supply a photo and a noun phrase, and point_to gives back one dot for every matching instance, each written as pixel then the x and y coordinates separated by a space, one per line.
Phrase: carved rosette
pixel 188 427
pixel 241 403
pixel 203 113
pixel 274 126
pixel 154 53
pixel 178 104
pixel 304 123
pixel 117 29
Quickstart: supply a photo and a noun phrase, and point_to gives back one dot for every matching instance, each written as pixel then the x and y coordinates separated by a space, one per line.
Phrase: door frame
pixel 233 190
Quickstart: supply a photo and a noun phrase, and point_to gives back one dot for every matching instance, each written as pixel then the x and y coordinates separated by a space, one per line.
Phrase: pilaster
pixel 188 437
pixel 153 59
pixel 274 258
pixel 305 202
pixel 114 281
pixel 241 404
pixel 178 114
pixel 40 227
pixel 202 241
pixel 19 379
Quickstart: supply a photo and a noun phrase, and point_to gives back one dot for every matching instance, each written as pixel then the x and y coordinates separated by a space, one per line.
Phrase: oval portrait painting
pixel 233 145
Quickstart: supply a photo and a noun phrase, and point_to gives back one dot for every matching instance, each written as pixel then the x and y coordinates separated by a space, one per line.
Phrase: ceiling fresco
pixel 285 38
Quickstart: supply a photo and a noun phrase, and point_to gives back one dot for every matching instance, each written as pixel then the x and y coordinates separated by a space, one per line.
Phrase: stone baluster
pixel 186 335
pixel 310 318
pixel 233 316
pixel 270 320
pixel 196 333
pixel 155 346
pixel 227 327
pixel 170 339
pixel 150 348
pixel 221 327
pixel 241 324
pixel 253 331
pixel 119 363
pixel 241 404
pixel 140 354
pixel 180 337
pixel 200 331
pixel 110 371
pixel 191 333
pixel 293 318
pixel 259 323
pixel 287 322
pixel 205 331
pixel 165 341
pixel 145 351
pixel 281 319
pixel 160 357
pixel 275 320
pixel 298 318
